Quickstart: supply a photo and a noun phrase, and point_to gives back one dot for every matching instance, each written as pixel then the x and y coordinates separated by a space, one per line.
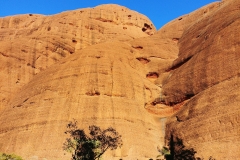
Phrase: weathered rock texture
pixel 77 65
pixel 109 67
pixel 95 86
pixel 206 75
pixel 30 43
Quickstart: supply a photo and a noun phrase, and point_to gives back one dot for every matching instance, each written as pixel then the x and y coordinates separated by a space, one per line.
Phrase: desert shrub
pixel 4 156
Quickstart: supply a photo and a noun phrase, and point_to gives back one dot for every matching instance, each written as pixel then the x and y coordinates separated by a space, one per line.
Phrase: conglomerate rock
pixel 77 65
pixel 207 54
pixel 206 75
pixel 109 67
pixel 165 43
pixel 209 122
pixel 30 43
pixel 98 85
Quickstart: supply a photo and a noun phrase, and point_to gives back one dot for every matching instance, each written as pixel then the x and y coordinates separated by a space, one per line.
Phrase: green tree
pixel 92 146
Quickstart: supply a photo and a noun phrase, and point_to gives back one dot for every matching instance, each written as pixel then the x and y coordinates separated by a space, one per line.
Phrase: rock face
pixel 31 43
pixel 109 66
pixel 95 86
pixel 80 65
pixel 206 75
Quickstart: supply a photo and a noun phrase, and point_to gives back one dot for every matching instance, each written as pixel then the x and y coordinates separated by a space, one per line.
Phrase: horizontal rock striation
pixel 79 64
pixel 31 43
pixel 206 76
pixel 95 86
pixel 109 66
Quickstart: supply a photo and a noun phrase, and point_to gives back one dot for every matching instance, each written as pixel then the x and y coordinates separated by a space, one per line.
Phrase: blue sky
pixel 159 11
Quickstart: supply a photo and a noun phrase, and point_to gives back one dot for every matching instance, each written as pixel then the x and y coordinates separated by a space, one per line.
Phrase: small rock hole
pixel 189 95
pixel 96 93
pixel 143 60
pixel 144 29
pixel 147 25
pixel 74 41
pixel 152 75
pixel 137 47
pixel 175 39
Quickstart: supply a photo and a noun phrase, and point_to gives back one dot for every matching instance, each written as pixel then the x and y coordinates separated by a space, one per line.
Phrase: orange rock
pixel 109 67
pixel 31 43
pixel 54 70
pixel 207 54
pixel 97 85
pixel 207 72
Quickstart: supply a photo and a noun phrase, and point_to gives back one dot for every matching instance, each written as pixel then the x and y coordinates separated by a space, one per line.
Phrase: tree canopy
pixel 92 146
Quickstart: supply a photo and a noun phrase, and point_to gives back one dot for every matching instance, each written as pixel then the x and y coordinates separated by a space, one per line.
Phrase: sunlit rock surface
pixel 109 66
pixel 80 65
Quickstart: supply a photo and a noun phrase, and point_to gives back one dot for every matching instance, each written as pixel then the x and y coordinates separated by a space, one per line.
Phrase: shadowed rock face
pixel 207 54
pixel 206 75
pixel 109 67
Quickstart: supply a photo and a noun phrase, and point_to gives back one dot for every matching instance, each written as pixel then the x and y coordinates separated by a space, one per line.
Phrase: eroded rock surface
pixel 95 86
pixel 31 43
pixel 206 76
pixel 109 67
pixel 80 65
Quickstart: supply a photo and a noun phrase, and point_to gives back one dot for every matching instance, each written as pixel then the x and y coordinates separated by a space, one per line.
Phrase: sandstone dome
pixel 75 64
pixel 110 67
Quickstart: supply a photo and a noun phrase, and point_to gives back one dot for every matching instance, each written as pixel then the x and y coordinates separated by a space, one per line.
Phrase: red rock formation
pixel 95 86
pixel 54 71
pixel 105 66
pixel 212 43
pixel 31 43
pixel 207 72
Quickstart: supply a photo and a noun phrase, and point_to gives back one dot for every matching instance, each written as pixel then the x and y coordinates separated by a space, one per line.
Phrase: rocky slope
pixel 110 67
pixel 79 65
pixel 206 75
pixel 30 43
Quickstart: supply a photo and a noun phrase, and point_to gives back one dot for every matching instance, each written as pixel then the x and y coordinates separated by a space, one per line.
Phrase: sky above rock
pixel 159 11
